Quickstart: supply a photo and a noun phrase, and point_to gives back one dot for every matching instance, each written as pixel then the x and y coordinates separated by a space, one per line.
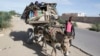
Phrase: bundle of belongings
pixel 39 11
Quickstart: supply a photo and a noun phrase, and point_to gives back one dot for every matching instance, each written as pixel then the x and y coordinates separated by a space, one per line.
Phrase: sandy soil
pixel 83 25
pixel 12 42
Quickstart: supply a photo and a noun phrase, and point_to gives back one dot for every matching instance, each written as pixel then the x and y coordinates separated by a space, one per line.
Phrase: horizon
pixel 89 7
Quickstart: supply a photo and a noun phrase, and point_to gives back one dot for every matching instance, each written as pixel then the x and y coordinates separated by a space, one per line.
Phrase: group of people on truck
pixel 36 9
pixel 43 11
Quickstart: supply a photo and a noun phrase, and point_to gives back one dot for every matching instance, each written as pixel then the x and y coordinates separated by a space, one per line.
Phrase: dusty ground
pixel 12 42
pixel 83 25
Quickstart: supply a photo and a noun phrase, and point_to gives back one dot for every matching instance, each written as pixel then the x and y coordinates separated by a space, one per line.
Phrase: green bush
pixel 95 27
pixel 61 21
pixel 5 18
pixel 75 24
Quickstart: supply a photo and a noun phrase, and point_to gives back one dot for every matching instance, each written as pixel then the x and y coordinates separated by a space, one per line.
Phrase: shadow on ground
pixel 35 47
pixel 23 36
pixel 17 36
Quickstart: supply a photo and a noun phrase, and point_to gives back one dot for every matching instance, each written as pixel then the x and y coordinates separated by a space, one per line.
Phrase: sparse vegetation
pixel 95 27
pixel 61 21
pixel 5 18
pixel 75 24
pixel 12 12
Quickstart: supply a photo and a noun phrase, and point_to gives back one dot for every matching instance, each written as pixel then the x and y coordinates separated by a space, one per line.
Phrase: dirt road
pixel 12 42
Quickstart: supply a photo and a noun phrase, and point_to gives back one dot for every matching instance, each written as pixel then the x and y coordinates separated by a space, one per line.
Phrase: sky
pixel 89 7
